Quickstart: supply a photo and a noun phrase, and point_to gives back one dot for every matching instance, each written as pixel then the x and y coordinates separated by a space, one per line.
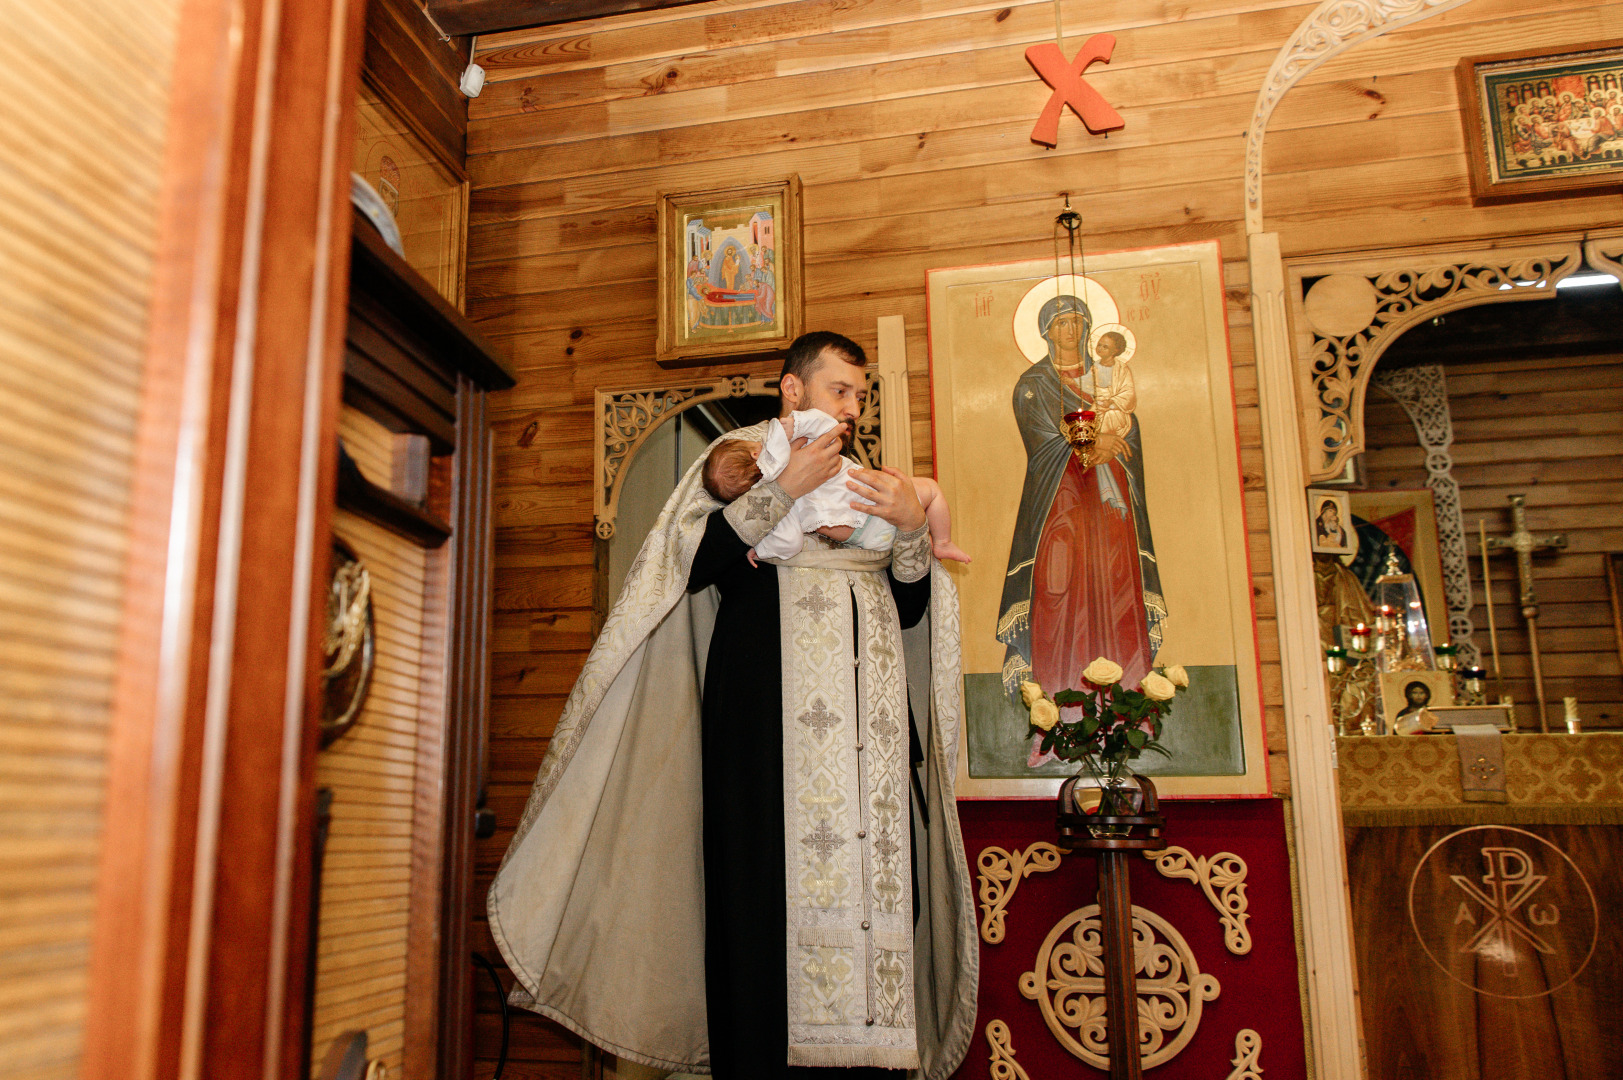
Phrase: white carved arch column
pixel 1423 392
pixel 1333 1025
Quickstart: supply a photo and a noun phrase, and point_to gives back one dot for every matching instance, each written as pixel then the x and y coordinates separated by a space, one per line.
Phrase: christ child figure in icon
pixel 1115 396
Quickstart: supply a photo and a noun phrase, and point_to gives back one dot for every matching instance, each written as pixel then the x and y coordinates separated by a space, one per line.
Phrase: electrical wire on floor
pixel 501 996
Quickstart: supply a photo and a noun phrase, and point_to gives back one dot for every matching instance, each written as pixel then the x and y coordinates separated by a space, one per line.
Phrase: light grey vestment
pixel 598 907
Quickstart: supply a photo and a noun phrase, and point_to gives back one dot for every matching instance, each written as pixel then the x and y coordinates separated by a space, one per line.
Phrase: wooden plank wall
pixel 367 884
pixel 1552 429
pixel 81 152
pixel 408 66
pixel 909 122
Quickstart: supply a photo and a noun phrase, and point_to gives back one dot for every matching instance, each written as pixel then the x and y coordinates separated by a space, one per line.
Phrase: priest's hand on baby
pixel 890 494
pixel 811 464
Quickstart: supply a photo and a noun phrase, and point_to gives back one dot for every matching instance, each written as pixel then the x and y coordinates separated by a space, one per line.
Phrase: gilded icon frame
pixel 1517 78
pixel 754 309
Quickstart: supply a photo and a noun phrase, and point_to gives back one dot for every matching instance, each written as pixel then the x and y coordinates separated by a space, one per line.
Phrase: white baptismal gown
pixel 830 503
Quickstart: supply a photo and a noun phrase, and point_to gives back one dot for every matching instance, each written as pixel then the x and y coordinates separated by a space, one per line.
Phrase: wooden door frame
pixel 197 963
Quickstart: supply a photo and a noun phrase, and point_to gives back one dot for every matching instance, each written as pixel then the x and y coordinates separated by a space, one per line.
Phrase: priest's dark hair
pixel 802 357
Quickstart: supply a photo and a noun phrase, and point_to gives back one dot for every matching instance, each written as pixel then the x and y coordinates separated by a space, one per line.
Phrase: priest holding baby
pixel 742 852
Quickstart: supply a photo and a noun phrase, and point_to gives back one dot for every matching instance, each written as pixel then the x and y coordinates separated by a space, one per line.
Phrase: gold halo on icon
pixel 1104 328
pixel 1101 309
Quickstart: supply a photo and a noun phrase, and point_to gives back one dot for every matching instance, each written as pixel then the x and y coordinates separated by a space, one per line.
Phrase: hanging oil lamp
pixel 1080 426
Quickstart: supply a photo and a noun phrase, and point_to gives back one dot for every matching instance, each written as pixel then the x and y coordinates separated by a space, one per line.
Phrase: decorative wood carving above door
pixel 627 417
pixel 1348 310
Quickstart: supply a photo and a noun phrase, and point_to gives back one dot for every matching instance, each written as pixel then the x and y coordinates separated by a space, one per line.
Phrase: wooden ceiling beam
pixel 457 17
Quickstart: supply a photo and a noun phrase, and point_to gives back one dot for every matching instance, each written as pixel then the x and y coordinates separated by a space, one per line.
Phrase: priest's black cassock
pixel 745 976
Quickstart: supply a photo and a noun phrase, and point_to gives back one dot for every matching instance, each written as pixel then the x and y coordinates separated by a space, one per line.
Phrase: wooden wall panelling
pixel 88 101
pixel 1552 429
pixel 489 16
pixel 410 68
pixel 426 927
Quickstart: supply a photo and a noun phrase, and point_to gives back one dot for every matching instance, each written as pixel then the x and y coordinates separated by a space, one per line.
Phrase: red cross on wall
pixel 1071 89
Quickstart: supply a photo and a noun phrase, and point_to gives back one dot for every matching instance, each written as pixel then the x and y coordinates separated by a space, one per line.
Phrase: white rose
pixel 1044 714
pixel 1157 688
pixel 1177 676
pixel 1030 692
pixel 1102 672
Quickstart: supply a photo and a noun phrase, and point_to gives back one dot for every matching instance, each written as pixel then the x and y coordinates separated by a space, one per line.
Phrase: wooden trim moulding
pixel 467 722
pixel 197 964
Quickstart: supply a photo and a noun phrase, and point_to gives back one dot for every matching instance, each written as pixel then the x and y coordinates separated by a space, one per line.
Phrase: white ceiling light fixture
pixel 1586 280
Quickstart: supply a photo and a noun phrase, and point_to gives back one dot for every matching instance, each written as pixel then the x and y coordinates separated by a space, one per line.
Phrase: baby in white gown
pixel 831 508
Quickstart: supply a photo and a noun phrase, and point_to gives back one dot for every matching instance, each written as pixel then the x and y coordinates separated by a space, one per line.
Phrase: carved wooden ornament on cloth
pixel 1071 89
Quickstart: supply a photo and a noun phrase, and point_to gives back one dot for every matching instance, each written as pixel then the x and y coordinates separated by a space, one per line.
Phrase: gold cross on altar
pixel 1523 542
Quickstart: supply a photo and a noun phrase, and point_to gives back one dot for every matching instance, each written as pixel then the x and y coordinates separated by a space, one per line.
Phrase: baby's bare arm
pixel 840 533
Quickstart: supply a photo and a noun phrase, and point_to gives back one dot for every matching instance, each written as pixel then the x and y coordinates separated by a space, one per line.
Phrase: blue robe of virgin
pixel 1040 401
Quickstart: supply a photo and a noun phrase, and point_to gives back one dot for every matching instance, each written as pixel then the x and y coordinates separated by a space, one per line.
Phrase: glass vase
pixel 1119 793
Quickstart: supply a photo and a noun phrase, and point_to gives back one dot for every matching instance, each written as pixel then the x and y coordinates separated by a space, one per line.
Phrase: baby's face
pixel 1105 349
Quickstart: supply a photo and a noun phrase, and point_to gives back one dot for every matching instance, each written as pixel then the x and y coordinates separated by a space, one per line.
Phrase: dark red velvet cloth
pixel 1258 990
pixel 1087 592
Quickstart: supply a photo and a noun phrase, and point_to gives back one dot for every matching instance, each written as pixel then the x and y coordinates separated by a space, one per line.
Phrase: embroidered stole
pixel 846 822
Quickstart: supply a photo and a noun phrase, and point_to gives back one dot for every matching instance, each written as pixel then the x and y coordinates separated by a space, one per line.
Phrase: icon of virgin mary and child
pixel 1082 580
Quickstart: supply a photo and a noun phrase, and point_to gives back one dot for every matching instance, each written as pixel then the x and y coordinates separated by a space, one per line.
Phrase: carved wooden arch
pixel 1331 28
pixel 626 418
pixel 1348 310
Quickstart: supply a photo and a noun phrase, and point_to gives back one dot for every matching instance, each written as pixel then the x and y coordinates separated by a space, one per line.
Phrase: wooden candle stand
pixel 1077 830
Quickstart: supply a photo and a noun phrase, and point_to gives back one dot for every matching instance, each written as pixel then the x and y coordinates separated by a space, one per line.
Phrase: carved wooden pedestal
pixel 1142 832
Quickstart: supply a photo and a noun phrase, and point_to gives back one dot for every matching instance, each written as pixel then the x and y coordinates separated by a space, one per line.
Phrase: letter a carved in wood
pixel 1071 89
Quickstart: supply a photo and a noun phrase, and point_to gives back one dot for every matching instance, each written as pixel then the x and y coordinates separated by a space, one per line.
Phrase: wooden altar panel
pixel 1418 1021
pixel 1257 988
pixel 86 91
